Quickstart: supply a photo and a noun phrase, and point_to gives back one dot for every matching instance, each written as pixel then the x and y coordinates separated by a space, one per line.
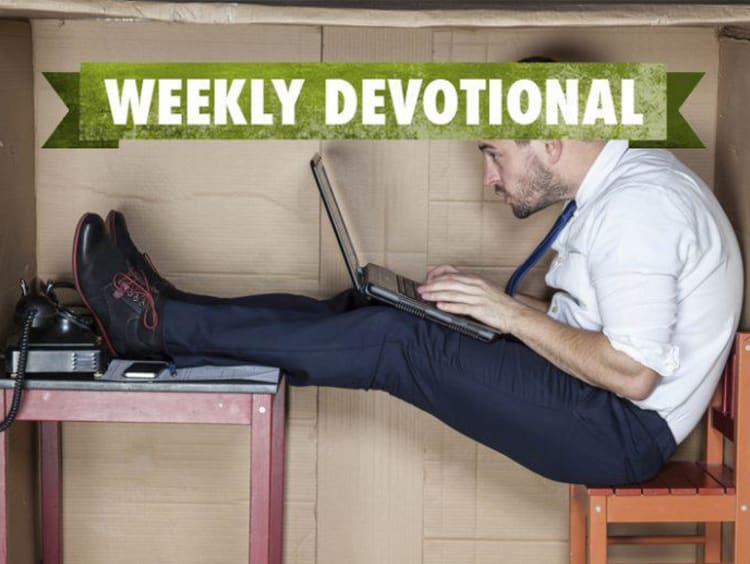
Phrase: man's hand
pixel 469 295
pixel 438 271
pixel 587 355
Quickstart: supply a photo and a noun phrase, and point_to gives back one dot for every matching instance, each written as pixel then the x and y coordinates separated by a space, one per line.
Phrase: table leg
pixel 50 454
pixel 260 478
pixel 277 475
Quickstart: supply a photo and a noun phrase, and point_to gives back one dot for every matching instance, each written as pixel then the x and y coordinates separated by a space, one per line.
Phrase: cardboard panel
pixel 301 452
pixel 370 457
pixel 188 223
pixel 481 551
pixel 381 188
pixel 381 185
pixel 484 233
pixel 538 505
pixel 300 515
pixel 455 551
pixel 226 218
pixel 733 154
pixel 181 490
pixel 369 479
pixel 17 259
pixel 17 217
pixel 299 532
pixel 187 220
pixel 455 171
pixel 450 483
pixel 22 493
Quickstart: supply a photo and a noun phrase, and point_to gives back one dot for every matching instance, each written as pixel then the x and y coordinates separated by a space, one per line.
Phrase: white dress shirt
pixel 651 261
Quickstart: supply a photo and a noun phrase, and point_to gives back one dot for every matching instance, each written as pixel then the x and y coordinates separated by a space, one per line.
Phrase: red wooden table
pixel 261 407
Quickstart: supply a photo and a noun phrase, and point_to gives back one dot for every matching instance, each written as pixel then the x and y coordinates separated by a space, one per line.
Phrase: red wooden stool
pixel 707 492
pixel 261 406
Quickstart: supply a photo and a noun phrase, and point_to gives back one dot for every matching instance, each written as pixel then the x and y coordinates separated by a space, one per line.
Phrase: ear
pixel 552 150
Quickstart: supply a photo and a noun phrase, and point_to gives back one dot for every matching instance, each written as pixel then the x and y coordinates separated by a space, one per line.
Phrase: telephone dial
pixel 51 340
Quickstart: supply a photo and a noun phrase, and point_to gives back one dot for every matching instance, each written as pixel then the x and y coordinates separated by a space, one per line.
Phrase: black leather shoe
pixel 117 229
pixel 124 305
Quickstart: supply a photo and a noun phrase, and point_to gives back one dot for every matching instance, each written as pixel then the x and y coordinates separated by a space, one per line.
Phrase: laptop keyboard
pixel 408 288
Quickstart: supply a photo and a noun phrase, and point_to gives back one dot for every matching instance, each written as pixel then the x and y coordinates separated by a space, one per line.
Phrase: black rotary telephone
pixel 51 340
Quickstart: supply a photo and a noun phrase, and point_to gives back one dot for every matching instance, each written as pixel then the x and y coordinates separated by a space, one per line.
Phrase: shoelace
pixel 135 285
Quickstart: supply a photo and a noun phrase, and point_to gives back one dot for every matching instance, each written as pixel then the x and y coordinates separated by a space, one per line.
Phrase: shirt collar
pixel 602 166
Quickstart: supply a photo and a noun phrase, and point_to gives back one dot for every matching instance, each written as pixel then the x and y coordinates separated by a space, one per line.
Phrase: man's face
pixel 519 177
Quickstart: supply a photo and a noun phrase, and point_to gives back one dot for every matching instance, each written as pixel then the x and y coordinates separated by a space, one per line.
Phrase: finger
pixel 449 284
pixel 439 271
pixel 467 279
pixel 458 309
pixel 451 296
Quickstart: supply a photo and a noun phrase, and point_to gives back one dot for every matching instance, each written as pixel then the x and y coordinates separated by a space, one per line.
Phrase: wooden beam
pixel 671 508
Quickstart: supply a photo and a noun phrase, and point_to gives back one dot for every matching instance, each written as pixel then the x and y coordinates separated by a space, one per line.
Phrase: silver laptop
pixel 382 284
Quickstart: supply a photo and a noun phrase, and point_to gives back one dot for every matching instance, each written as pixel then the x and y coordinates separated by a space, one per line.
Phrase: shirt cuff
pixel 662 358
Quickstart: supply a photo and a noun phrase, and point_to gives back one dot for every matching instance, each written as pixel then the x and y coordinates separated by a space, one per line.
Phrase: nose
pixel 491 176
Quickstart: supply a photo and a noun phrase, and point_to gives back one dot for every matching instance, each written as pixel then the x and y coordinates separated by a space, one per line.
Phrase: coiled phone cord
pixel 21 371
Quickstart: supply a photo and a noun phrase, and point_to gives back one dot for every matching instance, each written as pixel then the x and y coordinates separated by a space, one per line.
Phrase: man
pixel 597 387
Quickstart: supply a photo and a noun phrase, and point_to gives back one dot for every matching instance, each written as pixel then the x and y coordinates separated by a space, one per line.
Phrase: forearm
pixel 537 304
pixel 587 355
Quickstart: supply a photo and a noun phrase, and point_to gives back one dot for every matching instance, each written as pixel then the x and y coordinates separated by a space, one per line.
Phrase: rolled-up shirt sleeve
pixel 635 262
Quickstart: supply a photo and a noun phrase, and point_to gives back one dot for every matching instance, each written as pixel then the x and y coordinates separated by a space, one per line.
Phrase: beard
pixel 539 189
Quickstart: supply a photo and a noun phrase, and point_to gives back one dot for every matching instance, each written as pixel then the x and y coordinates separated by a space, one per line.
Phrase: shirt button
pixel 553 309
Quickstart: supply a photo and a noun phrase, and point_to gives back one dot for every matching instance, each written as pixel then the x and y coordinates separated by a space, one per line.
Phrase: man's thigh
pixel 511 399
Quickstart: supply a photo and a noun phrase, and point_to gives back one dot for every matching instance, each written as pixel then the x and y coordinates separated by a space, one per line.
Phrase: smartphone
pixel 144 370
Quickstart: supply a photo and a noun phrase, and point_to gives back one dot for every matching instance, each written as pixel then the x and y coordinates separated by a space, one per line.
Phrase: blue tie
pixel 542 248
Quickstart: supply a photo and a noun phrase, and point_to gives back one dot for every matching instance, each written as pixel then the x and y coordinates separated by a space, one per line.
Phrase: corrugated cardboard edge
pixel 506 16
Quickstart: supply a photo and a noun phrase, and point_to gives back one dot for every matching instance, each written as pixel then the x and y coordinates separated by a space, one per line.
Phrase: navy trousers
pixel 501 394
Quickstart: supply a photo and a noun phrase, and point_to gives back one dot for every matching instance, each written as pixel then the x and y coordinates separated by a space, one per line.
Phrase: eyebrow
pixel 484 146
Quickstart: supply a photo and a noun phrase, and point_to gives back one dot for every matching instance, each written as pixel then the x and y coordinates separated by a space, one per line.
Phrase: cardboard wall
pixel 18 224
pixel 17 257
pixel 369 479
pixel 732 151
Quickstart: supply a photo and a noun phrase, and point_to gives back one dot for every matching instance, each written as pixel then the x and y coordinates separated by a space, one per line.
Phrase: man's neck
pixel 581 155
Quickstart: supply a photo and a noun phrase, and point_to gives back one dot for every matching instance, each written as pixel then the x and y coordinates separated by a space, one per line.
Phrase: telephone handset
pixel 51 339
pixel 51 316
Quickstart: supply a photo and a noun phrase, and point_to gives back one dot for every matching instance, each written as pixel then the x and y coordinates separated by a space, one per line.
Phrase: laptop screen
pixel 334 214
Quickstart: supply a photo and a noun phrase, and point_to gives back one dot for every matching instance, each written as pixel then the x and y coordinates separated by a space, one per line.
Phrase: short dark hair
pixel 537 59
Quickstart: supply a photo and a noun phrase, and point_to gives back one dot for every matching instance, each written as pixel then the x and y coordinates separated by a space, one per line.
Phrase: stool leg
pixel 50 455
pixel 3 486
pixel 741 540
pixel 277 474
pixel 712 548
pixel 597 541
pixel 576 526
pixel 260 478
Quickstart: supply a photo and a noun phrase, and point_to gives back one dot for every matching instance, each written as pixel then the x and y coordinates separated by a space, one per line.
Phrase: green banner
pixel 108 102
